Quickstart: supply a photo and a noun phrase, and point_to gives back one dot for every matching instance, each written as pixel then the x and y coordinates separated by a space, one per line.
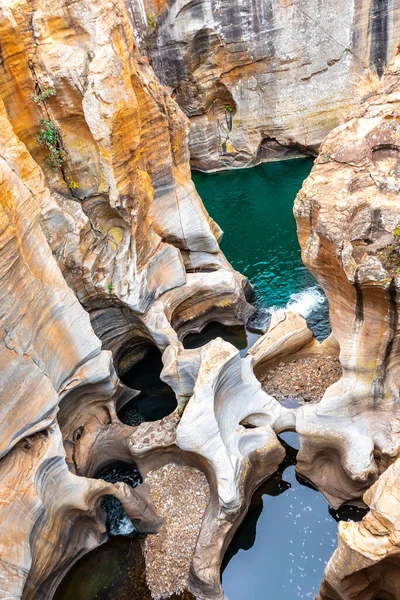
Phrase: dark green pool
pixel 254 207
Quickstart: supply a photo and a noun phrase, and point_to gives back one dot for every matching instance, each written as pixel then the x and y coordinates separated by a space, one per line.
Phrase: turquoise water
pixel 254 207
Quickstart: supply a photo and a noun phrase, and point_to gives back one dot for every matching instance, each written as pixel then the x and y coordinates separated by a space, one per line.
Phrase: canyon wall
pixel 348 219
pixel 106 249
pixel 265 79
pixel 105 245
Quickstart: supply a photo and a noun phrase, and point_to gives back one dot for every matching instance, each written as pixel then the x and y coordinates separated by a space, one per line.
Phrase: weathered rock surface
pixel 103 214
pixel 347 215
pixel 366 564
pixel 106 247
pixel 256 78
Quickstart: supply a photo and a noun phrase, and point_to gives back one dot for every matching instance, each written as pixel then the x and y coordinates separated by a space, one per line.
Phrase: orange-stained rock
pixel 348 214
pixel 98 245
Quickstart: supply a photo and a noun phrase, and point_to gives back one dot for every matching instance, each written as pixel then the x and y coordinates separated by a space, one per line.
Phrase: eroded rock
pixel 255 78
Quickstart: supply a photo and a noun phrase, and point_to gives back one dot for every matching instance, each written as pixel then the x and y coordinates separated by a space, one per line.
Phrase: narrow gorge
pixel 187 413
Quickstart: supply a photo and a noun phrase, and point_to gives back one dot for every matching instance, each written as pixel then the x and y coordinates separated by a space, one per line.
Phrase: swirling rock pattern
pixel 100 245
pixel 111 249
pixel 347 215
pixel 255 78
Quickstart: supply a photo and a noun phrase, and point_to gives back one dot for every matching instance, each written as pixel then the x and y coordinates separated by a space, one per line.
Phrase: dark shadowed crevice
pixel 378 26
pixel 156 399
pixel 118 522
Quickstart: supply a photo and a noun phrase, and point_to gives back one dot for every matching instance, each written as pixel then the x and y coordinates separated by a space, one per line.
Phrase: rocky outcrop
pixel 288 337
pixel 102 233
pixel 347 215
pixel 366 564
pixel 49 354
pixel 255 78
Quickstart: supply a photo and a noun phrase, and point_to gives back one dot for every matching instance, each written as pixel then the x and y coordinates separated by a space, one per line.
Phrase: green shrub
pixel 396 232
pixel 110 288
pixel 47 93
pixel 151 20
pixel 49 138
pixel 228 108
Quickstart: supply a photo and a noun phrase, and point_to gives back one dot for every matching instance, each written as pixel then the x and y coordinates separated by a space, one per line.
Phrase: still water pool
pixel 287 537
pixel 254 207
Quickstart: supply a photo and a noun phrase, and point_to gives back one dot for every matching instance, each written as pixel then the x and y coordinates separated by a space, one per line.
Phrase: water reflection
pixel 115 571
pixel 283 543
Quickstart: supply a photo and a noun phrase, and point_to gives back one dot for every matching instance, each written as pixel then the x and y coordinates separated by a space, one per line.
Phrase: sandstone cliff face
pixel 106 246
pixel 102 233
pixel 348 217
pixel 264 79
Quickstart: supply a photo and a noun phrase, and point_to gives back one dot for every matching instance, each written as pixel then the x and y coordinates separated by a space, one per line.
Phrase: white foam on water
pixel 306 302
pixel 124 527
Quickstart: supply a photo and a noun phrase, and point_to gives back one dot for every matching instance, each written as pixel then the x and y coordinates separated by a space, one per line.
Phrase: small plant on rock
pixel 110 288
pixel 151 20
pixel 228 108
pixel 49 138
pixel 47 93
pixel 73 185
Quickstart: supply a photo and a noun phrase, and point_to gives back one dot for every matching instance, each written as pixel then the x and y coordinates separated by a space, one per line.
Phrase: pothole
pixel 156 399
pixel 301 380
pixel 286 538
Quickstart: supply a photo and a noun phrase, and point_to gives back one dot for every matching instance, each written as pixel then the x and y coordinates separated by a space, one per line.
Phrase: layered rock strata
pixel 97 216
pixel 107 248
pixel 255 78
pixel 348 216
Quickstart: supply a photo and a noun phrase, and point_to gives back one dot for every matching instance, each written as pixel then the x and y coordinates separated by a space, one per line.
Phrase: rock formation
pixel 347 215
pixel 348 218
pixel 106 249
pixel 102 233
pixel 366 564
pixel 255 78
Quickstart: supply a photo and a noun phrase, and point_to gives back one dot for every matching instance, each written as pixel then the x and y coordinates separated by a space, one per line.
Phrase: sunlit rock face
pixel 104 243
pixel 348 216
pixel 256 78
pixel 49 354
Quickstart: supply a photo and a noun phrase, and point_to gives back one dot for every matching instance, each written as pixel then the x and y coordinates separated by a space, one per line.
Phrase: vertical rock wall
pixel 265 79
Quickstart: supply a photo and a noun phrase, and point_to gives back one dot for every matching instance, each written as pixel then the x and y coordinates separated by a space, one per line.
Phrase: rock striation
pixel 255 78
pixel 105 245
pixel 106 249
pixel 348 216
